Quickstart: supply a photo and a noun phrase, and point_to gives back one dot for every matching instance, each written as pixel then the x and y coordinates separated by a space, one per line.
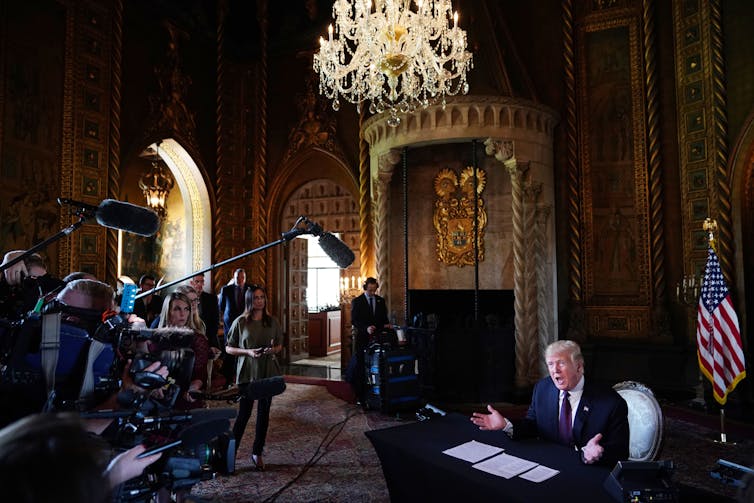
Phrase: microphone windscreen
pixel 127 217
pixel 337 250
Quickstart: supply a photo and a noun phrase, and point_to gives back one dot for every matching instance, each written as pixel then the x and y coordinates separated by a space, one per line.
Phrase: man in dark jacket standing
pixel 208 310
pixel 368 315
pixel 231 305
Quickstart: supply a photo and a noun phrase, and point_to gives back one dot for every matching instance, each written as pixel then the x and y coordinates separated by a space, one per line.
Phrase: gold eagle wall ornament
pixel 454 215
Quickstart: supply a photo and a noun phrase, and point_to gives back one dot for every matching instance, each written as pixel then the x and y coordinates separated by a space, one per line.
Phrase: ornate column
pixel 531 276
pixel 530 330
pixel 385 166
pixel 544 293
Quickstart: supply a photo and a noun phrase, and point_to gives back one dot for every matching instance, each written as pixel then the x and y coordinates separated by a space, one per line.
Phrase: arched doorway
pixel 183 242
pixel 331 202
pixel 742 185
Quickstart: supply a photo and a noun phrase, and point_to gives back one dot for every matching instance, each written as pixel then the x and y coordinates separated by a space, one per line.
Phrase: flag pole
pixel 710 225
pixel 723 436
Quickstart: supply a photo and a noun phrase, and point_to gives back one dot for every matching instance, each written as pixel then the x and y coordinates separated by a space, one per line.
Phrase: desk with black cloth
pixel 415 468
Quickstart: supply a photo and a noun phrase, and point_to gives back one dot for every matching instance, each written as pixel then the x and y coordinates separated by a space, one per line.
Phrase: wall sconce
pixel 687 290
pixel 350 288
pixel 156 184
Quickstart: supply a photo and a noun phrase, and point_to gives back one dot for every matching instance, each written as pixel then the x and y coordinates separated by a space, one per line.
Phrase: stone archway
pixel 742 207
pixel 189 211
pixel 303 169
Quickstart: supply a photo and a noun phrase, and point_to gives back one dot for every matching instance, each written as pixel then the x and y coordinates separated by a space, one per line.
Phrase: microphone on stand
pixel 118 215
pixel 337 250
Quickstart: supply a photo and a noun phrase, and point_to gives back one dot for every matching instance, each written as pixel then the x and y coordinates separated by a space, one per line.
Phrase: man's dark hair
pixel 370 281
pixel 145 277
pixel 35 260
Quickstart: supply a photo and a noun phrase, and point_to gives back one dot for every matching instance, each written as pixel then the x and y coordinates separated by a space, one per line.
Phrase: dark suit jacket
pixel 362 317
pixel 150 311
pixel 210 316
pixel 228 306
pixel 601 410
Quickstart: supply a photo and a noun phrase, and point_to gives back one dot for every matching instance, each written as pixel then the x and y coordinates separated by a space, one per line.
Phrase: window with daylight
pixel 323 288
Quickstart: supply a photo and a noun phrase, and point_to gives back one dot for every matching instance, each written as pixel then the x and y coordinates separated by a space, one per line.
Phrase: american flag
pixel 718 338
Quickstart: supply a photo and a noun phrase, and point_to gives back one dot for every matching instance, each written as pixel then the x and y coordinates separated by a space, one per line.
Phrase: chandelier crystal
pixel 398 54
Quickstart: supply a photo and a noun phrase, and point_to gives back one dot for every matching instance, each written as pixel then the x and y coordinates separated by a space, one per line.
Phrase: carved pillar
pixel 530 331
pixel 220 187
pixel 385 166
pixel 366 232
pixel 259 263
pixel 519 278
pixel 544 293
pixel 531 273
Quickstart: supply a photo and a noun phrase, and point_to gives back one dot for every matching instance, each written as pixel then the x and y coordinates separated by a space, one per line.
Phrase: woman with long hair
pixel 255 337
pixel 177 312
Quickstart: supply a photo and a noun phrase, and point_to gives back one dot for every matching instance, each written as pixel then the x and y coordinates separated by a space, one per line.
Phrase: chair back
pixel 645 420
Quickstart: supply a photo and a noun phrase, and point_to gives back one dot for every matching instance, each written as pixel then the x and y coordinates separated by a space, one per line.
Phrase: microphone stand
pixel 295 231
pixel 83 213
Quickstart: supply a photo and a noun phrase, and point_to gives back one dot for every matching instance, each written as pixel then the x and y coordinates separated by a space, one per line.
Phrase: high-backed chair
pixel 644 420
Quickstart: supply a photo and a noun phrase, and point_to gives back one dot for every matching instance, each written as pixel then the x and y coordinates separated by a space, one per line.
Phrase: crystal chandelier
pixel 399 54
pixel 156 185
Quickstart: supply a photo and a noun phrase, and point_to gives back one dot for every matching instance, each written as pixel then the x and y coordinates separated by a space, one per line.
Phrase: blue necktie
pixel 564 425
pixel 371 304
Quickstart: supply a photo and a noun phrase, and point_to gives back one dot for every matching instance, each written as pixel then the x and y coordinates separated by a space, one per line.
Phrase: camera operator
pixel 24 284
pixel 52 458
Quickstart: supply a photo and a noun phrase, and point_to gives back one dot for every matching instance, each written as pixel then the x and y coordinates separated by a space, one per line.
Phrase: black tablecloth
pixel 416 469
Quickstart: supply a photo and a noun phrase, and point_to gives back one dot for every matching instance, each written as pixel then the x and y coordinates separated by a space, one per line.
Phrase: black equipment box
pixel 392 379
pixel 641 481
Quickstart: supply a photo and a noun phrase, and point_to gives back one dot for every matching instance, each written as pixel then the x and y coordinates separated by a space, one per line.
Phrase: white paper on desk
pixel 539 474
pixel 473 451
pixel 505 466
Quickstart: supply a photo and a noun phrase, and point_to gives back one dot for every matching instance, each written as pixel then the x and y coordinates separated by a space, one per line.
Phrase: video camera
pixel 68 358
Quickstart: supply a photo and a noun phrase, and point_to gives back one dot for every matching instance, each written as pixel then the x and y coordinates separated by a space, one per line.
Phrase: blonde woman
pixel 176 312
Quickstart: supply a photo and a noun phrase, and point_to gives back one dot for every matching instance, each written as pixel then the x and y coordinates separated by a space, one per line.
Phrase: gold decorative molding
pixel 113 190
pixel 316 126
pixel 168 109
pixel 616 222
pixel 702 131
pixel 459 200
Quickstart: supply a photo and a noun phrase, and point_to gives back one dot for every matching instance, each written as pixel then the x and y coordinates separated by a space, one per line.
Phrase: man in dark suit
pixel 368 315
pixel 231 305
pixel 209 311
pixel 598 426
pixel 149 307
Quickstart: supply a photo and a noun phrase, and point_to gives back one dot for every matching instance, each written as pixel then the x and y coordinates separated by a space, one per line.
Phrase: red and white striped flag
pixel 718 338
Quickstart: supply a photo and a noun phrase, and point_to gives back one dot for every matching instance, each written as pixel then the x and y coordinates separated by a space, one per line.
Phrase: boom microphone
pixel 337 250
pixel 119 215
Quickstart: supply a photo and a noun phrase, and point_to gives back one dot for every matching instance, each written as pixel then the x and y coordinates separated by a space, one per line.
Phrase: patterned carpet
pixel 317 452
pixel 313 436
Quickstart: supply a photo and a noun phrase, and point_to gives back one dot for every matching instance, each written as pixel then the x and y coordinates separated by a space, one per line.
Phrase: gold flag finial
pixel 710 225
